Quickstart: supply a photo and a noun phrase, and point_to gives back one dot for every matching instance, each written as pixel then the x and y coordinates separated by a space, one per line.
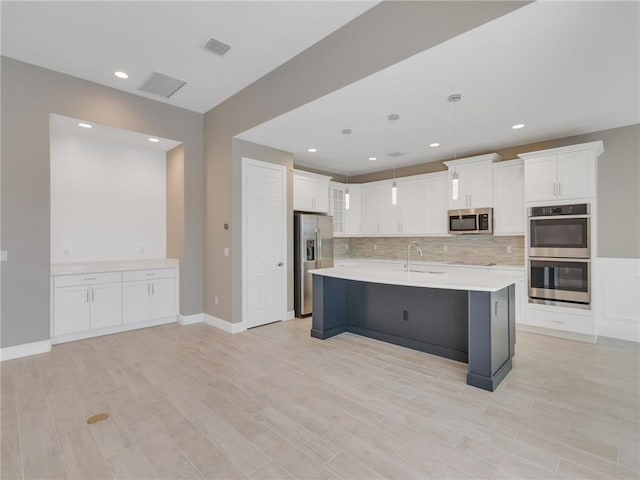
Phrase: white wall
pixel 108 199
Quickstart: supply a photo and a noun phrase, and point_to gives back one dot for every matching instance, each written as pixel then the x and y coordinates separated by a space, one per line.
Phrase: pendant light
pixel 455 98
pixel 346 132
pixel 394 117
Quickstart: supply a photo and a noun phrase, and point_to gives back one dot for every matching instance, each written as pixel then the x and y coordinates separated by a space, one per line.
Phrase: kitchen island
pixel 468 316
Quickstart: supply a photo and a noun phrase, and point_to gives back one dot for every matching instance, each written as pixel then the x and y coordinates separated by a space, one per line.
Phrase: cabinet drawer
pixel 559 321
pixel 86 279
pixel 137 275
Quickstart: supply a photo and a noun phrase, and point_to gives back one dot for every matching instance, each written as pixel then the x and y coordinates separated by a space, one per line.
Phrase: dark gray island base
pixel 476 327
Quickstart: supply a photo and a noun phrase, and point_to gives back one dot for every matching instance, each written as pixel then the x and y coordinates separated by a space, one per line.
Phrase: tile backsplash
pixel 466 249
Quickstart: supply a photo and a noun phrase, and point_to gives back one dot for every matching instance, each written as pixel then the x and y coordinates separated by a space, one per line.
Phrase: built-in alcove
pixel 109 192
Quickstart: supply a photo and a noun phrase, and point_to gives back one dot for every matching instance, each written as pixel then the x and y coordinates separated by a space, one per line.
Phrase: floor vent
pixel 217 47
pixel 161 85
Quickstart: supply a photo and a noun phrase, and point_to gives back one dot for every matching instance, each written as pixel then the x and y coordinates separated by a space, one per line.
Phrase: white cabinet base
pixel 72 337
pixel 571 323
pixel 552 332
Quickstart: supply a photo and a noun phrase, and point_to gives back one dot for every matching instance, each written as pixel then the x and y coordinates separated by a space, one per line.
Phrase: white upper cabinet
pixel 473 174
pixel 310 192
pixel 508 198
pixel 346 221
pixel 565 173
pixel 436 204
pixel 411 206
pixel 337 207
pixel 389 213
pixel 371 205
pixel 407 217
pixel 381 216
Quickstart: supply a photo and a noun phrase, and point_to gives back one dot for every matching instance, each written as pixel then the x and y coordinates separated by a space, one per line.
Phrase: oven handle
pixel 559 217
pixel 560 259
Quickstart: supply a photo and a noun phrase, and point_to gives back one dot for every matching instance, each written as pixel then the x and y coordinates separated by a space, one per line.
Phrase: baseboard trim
pixel 552 332
pixel 25 350
pixel 290 315
pixel 223 324
pixel 191 319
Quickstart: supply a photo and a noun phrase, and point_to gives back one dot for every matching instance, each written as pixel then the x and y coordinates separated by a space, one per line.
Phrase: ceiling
pixel 560 68
pixel 92 40
pixel 117 135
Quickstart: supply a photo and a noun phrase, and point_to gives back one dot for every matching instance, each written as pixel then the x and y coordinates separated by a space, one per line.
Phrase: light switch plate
pixel 4 256
pixel 226 251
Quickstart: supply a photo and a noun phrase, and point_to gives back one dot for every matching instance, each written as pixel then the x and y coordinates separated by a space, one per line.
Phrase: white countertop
pixel 416 263
pixel 115 266
pixel 458 278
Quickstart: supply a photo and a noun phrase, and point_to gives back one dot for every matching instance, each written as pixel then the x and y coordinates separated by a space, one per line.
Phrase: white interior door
pixel 265 242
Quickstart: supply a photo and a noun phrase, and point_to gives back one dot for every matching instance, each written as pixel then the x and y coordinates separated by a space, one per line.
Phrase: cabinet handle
pixel 90 278
pixel 149 274
pixel 153 289
pixel 87 296
pixel 559 189
pixel 495 309
pixel 93 295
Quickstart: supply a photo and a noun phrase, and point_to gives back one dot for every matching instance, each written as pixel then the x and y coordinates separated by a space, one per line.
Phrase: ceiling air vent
pixel 162 85
pixel 395 154
pixel 217 47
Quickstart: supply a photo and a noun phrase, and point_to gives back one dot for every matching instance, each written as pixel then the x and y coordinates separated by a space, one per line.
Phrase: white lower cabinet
pixel 88 305
pixel 85 302
pixel 146 300
pixel 575 323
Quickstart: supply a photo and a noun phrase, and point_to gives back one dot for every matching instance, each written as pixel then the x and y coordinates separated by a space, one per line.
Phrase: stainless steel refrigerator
pixel 313 248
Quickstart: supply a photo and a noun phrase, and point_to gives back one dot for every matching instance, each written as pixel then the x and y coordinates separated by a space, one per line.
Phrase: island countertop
pixel 449 279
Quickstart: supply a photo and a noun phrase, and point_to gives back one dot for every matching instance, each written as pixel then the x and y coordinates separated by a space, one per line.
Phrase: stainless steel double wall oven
pixel 560 255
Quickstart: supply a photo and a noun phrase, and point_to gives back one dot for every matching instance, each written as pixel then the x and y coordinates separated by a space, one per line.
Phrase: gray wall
pixel 175 209
pixel 618 184
pixel 382 36
pixel 243 149
pixel 29 95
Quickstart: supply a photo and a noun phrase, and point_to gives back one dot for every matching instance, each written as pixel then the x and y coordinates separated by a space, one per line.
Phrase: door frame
pixel 246 162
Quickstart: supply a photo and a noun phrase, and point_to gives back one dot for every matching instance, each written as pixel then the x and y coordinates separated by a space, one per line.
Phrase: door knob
pixel 280 264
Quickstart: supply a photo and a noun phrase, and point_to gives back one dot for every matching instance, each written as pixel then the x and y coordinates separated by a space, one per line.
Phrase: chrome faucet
pixel 409 254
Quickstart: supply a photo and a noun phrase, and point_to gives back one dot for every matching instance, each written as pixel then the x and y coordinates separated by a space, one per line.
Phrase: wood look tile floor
pixel 273 403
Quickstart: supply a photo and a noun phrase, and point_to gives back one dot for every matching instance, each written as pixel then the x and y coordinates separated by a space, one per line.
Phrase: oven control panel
pixel 557 210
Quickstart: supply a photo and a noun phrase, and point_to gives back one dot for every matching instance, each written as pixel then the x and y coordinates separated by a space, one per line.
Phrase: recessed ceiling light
pixel 122 75
pixel 434 144
pixel 154 139
pixel 312 150
pixel 85 125
pixel 518 126
pixel 373 159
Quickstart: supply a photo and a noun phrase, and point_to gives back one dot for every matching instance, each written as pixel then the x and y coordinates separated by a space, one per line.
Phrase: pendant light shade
pixel 454 185
pixel 346 132
pixel 394 117
pixel 454 98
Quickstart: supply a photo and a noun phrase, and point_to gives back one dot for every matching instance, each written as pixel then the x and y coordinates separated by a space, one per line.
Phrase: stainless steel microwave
pixel 471 221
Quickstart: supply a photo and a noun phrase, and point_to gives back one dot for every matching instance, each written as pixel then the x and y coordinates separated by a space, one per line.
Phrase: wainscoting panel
pixel 617 298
